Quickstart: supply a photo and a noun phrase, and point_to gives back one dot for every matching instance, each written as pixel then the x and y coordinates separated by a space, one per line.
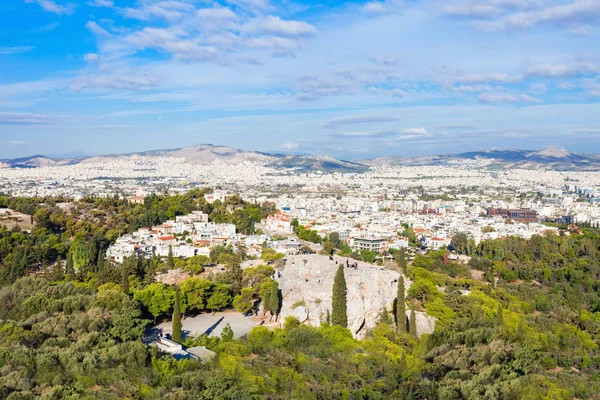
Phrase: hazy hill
pixel 550 158
pixel 204 154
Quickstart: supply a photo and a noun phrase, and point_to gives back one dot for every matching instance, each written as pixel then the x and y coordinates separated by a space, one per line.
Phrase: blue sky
pixel 349 79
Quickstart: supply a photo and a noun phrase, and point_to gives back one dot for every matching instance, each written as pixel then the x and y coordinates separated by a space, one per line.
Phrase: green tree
pixel 219 298
pixel 227 333
pixel 269 296
pixel 100 262
pixel 339 306
pixel 196 292
pixel 157 298
pixel 412 327
pixel 170 262
pixel 125 281
pixel 244 302
pixel 401 306
pixel 176 334
pixel 460 242
pixel 70 269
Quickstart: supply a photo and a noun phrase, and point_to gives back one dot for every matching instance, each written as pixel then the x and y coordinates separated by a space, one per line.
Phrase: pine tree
pixel 339 306
pixel 176 335
pixel 170 262
pixel 401 306
pixel 227 334
pixel 412 327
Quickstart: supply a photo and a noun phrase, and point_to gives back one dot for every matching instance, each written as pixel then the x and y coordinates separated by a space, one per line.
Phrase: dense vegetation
pixel 520 320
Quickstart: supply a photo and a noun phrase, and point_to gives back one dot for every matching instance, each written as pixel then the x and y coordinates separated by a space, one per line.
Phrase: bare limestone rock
pixel 370 289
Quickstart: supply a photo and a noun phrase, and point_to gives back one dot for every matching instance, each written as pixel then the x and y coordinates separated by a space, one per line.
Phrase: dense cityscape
pixel 188 259
pixel 300 200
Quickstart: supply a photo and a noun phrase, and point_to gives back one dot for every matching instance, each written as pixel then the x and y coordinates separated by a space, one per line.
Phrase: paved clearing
pixel 212 324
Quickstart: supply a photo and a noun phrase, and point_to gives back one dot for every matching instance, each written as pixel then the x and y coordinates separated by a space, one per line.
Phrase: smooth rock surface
pixel 370 289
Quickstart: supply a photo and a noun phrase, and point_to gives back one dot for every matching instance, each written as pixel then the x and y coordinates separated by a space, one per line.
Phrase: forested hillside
pixel 520 320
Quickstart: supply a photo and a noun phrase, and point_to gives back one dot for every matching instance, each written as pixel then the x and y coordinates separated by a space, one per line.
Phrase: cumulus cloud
pixel 219 13
pixel 574 14
pixel 563 70
pixel 497 77
pixel 170 10
pixel 362 119
pixel 273 25
pixel 53 7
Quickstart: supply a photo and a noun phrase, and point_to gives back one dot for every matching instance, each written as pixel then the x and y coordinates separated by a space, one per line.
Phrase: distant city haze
pixel 352 80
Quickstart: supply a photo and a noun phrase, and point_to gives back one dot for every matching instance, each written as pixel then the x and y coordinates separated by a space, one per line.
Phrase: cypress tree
pixel 125 280
pixel 176 335
pixel 339 306
pixel 401 306
pixel 499 316
pixel 70 268
pixel 170 262
pixel 412 327
pixel 100 263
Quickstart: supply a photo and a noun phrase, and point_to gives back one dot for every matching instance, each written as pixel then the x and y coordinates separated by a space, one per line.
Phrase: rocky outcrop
pixel 307 280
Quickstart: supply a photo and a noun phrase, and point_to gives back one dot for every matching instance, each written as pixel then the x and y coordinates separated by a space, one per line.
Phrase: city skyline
pixel 347 79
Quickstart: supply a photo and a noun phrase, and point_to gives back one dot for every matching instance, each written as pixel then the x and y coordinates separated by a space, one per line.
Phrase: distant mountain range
pixel 551 158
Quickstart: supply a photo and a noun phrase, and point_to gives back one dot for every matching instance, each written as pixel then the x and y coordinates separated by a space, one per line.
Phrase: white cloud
pixel 480 10
pixel 483 78
pixel 7 118
pixel 171 11
pixel 91 58
pixel 272 25
pixel 96 29
pixel 382 7
pixel 101 3
pixel 494 98
pixel 574 15
pixel 117 79
pixel 252 5
pixel 18 142
pixel 16 49
pixel 384 61
pixel 53 7
pixel 563 70
pixel 362 119
pixel 290 146
pixel 386 133
pixel 220 13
